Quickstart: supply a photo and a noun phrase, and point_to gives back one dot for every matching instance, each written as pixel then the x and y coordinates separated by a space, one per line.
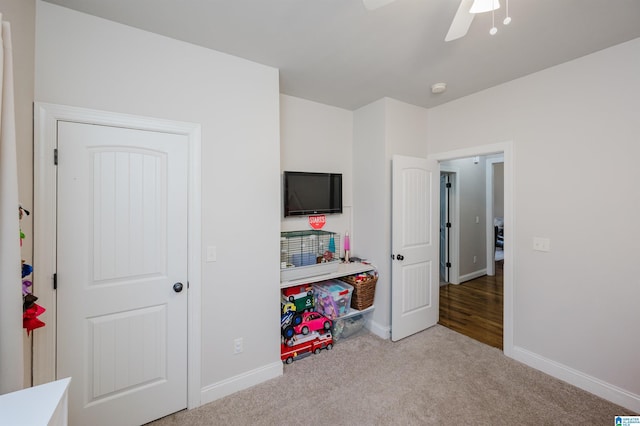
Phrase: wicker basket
pixel 364 291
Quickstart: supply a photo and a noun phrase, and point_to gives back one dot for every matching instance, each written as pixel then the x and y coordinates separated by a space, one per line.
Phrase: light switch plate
pixel 211 254
pixel 541 244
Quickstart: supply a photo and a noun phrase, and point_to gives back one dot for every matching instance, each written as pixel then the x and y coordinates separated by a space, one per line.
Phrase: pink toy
pixel 312 321
pixel 347 247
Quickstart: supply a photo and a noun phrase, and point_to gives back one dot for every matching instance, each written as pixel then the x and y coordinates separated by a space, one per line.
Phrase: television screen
pixel 307 193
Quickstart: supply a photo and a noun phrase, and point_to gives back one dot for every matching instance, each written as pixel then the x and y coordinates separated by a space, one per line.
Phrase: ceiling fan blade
pixel 461 21
pixel 375 4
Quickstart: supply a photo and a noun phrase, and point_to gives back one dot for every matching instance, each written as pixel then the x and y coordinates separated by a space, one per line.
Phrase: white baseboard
pixel 242 381
pixel 379 330
pixel 471 276
pixel 576 378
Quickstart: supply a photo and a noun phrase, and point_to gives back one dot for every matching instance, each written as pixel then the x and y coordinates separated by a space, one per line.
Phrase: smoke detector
pixel 438 88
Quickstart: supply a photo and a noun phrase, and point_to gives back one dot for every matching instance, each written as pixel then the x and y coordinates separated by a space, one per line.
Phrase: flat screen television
pixel 308 193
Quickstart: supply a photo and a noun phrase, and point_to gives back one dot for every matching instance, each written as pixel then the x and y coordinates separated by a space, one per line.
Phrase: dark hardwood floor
pixel 474 308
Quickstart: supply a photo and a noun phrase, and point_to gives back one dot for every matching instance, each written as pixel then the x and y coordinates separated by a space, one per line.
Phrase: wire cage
pixel 310 247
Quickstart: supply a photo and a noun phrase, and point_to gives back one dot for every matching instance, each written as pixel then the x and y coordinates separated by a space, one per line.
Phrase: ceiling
pixel 338 53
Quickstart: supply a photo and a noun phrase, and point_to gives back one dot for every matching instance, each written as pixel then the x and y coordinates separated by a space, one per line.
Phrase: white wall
pixel 382 129
pixel 575 133
pixel 318 138
pixel 90 62
pixel 22 17
pixel 471 187
pixel 371 197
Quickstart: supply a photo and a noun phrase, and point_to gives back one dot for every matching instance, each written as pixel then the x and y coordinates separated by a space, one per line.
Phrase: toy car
pixel 295 290
pixel 288 307
pixel 312 321
pixel 288 320
pixel 323 341
pixel 303 302
pixel 297 298
pixel 301 346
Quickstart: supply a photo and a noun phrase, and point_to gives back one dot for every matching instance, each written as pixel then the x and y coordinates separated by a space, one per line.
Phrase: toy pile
pixel 304 331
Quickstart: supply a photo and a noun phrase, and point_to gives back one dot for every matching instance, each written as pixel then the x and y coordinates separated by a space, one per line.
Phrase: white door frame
pixel 46 118
pixel 454 232
pixel 491 246
pixel 507 149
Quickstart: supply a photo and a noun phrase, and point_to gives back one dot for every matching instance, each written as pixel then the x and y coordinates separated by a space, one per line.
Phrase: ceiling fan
pixel 463 17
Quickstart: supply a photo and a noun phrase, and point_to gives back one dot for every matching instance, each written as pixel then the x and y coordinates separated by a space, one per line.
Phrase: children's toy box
pixel 332 298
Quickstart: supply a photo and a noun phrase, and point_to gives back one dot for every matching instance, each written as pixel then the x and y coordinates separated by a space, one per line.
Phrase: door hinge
pixel 448 225
pixel 448 184
pixel 55 281
pixel 448 265
pixel 55 156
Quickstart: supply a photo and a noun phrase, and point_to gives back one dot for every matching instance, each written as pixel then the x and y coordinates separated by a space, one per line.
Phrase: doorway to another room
pixel 472 247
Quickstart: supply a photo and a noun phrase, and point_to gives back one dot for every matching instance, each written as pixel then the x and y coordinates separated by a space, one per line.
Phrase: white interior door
pixel 122 245
pixel 414 245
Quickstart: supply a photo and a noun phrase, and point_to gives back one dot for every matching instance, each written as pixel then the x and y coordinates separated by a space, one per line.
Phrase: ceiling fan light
pixel 481 6
pixel 507 19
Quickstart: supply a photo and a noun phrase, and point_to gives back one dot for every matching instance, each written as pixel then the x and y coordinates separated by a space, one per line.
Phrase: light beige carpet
pixel 436 377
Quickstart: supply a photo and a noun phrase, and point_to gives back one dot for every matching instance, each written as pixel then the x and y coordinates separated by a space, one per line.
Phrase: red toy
pixel 312 321
pixel 292 291
pixel 299 347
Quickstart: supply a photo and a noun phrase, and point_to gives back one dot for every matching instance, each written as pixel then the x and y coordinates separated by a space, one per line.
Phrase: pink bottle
pixel 347 247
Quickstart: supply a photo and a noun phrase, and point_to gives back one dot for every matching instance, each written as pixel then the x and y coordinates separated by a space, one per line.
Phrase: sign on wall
pixel 317 221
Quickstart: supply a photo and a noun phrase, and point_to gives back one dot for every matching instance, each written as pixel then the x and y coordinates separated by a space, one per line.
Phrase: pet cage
pixel 311 250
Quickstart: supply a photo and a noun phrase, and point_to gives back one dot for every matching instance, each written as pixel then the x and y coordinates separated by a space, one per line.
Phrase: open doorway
pixel 474 304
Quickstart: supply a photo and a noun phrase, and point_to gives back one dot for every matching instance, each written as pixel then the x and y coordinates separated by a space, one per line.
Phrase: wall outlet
pixel 237 345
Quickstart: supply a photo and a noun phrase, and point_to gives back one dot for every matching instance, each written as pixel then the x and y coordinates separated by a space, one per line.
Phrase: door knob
pixel 177 287
pixel 400 257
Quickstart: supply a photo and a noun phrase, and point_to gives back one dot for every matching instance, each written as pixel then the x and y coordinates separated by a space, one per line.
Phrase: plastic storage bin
pixel 332 298
pixel 347 327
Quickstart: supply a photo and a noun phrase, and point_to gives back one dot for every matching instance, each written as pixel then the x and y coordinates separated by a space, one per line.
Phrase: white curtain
pixel 11 353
